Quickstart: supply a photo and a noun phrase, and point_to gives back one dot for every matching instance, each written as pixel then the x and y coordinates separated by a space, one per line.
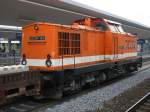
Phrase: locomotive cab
pixel 95 23
pixel 115 27
pixel 101 24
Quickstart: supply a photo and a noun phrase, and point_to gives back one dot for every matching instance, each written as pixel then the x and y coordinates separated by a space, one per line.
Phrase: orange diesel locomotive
pixel 90 51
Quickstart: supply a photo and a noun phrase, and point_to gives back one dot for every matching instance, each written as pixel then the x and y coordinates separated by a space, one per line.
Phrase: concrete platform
pixel 13 69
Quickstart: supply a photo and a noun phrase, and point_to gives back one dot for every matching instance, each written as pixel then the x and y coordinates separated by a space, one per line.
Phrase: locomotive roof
pixel 80 27
pixel 112 22
pixel 53 24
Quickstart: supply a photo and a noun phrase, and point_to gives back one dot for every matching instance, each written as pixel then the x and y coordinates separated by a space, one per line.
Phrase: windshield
pixel 116 28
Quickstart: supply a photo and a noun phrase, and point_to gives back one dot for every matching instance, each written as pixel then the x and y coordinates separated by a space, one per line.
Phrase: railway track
pixel 26 104
pixel 143 105
pixel 21 107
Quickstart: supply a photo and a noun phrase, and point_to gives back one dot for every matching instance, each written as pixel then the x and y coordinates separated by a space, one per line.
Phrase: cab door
pixel 115 46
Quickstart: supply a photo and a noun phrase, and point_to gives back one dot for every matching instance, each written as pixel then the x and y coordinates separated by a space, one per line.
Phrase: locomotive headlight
pixel 36 27
pixel 48 61
pixel 24 61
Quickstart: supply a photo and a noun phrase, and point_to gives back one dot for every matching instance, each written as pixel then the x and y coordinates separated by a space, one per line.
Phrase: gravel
pixel 95 99
pixel 127 99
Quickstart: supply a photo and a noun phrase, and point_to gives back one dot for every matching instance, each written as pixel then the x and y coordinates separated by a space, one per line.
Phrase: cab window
pixel 116 28
pixel 100 25
pixel 112 28
pixel 121 29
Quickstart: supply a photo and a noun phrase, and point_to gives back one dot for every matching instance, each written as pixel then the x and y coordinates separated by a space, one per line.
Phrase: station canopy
pixel 22 12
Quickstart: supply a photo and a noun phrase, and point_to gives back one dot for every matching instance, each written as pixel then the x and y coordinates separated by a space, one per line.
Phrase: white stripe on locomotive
pixel 78 60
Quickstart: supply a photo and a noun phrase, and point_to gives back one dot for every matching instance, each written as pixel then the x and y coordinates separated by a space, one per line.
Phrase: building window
pixel 69 43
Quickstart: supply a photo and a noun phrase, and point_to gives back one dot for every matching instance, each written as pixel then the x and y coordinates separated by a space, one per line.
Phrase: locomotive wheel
pixel 79 87
pixel 76 86
pixel 97 80
pixel 132 68
pixel 3 101
pixel 103 77
pixel 57 95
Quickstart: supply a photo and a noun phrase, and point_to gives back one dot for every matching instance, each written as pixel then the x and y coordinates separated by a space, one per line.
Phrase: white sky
pixel 136 10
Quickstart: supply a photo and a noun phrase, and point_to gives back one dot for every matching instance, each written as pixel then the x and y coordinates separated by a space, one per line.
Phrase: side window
pixel 63 39
pixel 69 43
pixel 75 43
